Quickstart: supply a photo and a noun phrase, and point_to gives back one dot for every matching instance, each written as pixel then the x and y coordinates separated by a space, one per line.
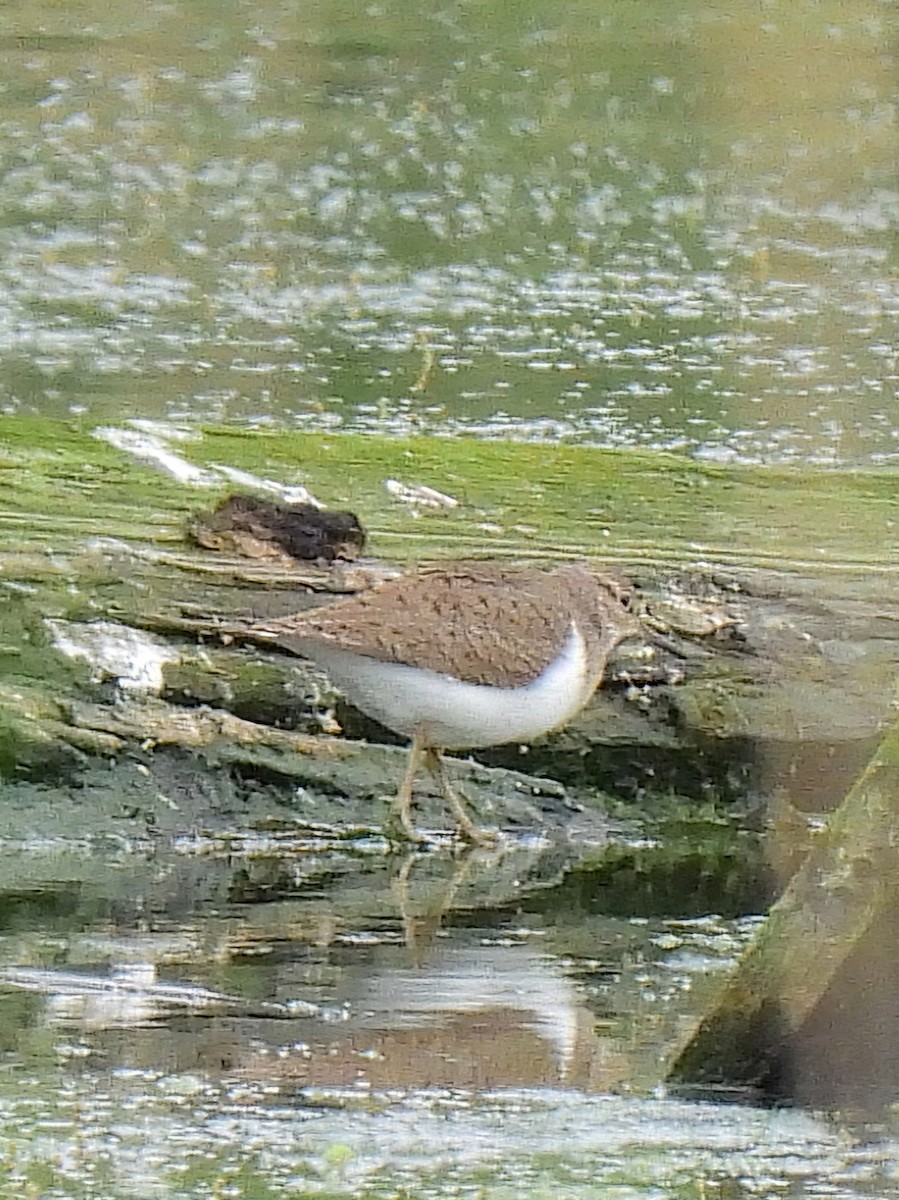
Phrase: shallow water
pixel 253 1025
pixel 181 1136
pixel 666 226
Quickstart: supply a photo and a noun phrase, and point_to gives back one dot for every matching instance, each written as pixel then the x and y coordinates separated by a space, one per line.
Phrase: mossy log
pixel 847 884
pixel 89 533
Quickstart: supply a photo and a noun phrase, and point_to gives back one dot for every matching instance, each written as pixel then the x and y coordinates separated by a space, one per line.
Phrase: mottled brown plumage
pixel 479 622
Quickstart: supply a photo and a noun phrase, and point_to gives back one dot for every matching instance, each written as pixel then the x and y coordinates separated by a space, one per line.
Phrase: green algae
pixel 64 484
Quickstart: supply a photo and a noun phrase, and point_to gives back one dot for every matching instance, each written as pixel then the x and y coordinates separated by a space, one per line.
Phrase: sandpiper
pixel 465 655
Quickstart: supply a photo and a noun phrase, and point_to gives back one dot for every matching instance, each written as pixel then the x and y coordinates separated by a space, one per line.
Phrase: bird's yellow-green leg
pixel 468 830
pixel 401 808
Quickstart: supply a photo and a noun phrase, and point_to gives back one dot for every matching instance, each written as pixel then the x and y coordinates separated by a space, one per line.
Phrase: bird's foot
pixel 472 834
pixel 403 836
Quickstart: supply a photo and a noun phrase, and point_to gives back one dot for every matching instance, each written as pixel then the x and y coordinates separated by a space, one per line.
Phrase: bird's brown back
pixel 480 622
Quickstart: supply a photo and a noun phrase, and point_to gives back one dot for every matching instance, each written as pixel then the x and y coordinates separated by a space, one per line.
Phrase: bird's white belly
pixel 455 715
